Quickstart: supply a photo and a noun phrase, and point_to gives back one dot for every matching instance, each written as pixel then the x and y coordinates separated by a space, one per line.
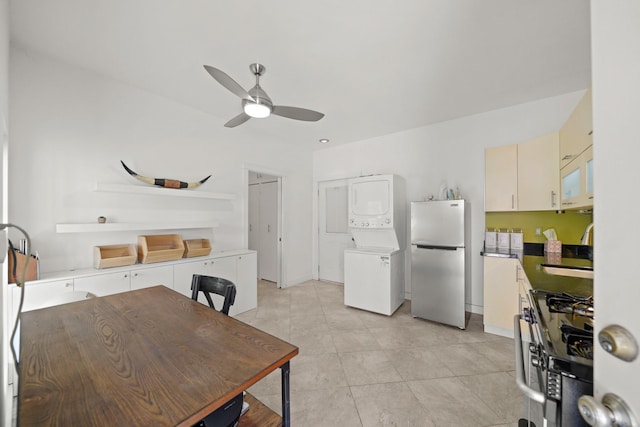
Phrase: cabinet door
pixel 148 277
pixel 539 174
pixel 38 295
pixel 576 133
pixel 183 274
pixel 268 233
pixel 501 178
pixel 501 295
pixel 577 181
pixel 224 267
pixel 246 284
pixel 104 284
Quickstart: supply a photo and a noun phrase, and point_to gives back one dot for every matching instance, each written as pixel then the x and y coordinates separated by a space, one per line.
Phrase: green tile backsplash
pixel 569 226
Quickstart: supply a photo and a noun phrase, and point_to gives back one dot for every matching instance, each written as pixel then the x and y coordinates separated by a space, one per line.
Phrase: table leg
pixel 286 403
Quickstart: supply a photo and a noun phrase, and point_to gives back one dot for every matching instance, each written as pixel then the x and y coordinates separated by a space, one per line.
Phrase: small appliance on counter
pixel 440 260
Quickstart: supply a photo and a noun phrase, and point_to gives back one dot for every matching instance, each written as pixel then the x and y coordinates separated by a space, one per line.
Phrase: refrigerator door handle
pixel 440 248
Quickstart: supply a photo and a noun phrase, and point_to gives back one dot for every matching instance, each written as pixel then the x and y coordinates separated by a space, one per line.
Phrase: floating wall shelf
pixel 116 226
pixel 160 191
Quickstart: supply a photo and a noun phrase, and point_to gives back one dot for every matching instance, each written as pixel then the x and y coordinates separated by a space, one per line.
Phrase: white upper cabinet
pixel 576 156
pixel 576 134
pixel 539 174
pixel 501 178
pixel 577 181
pixel 523 177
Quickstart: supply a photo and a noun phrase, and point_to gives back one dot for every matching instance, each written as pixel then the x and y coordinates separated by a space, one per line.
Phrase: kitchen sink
pixel 583 273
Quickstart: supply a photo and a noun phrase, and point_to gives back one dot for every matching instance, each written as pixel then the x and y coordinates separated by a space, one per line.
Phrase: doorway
pixel 333 229
pixel 264 223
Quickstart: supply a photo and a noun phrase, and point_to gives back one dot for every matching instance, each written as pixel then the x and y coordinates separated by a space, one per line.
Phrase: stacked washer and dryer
pixel 374 269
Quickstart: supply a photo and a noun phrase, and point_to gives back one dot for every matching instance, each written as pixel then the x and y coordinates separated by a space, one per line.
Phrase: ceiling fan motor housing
pixel 260 97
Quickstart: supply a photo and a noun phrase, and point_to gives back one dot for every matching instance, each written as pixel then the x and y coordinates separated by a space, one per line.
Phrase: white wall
pixel 450 152
pixel 71 128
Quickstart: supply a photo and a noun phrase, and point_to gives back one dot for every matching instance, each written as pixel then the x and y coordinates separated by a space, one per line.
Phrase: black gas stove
pixel 566 332
pixel 562 351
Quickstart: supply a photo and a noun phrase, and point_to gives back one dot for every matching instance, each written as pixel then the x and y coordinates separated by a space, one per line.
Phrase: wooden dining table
pixel 149 357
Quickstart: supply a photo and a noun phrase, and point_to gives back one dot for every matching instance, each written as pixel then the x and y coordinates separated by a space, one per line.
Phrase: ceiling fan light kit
pixel 255 110
pixel 255 102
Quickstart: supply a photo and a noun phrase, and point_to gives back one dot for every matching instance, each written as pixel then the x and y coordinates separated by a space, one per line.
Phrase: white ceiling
pixel 373 67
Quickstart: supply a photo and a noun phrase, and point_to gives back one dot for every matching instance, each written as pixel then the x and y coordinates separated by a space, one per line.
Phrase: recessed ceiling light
pixel 323 140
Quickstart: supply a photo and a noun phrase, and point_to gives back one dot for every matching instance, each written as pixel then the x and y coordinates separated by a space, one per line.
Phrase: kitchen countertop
pixel 533 257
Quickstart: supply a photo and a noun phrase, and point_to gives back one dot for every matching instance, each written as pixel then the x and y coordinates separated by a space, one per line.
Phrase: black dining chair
pixel 214 285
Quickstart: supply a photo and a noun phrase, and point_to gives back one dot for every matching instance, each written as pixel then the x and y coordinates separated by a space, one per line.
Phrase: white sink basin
pixel 569 272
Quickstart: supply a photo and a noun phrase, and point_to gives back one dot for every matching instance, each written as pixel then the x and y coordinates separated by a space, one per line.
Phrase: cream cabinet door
pixel 153 276
pixel 576 133
pixel 577 181
pixel 501 295
pixel 539 174
pixel 104 284
pixel 501 178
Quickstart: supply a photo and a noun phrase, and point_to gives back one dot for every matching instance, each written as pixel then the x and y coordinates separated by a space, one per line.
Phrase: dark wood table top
pixel 150 357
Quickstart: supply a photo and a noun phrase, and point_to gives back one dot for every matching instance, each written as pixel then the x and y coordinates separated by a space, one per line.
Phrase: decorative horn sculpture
pixel 166 183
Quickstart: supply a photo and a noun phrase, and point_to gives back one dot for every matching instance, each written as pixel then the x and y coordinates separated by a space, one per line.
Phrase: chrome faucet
pixel 587 234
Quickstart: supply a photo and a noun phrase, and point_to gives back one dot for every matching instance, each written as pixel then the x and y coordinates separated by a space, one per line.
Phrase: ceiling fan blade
pixel 226 81
pixel 237 120
pixel 297 113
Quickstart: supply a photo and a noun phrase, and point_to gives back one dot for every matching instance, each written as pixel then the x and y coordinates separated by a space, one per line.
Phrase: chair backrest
pixel 214 285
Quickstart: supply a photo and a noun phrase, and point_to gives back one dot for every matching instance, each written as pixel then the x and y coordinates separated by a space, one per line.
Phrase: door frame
pixel 281 183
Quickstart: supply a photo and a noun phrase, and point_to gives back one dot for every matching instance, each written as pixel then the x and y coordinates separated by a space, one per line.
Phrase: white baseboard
pixel 297 281
pixel 498 331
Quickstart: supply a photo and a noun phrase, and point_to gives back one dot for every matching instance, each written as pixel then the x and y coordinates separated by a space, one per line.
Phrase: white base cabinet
pixel 104 284
pixel 152 276
pixel 501 295
pixel 240 269
pixel 238 266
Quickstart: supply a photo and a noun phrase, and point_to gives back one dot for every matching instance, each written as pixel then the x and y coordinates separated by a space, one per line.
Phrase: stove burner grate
pixel 579 341
pixel 570 304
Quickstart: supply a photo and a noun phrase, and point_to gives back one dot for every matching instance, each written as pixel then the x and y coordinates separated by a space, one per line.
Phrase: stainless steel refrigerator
pixel 440 260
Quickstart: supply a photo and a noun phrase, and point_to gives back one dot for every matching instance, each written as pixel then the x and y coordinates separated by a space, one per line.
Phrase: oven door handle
pixel 521 381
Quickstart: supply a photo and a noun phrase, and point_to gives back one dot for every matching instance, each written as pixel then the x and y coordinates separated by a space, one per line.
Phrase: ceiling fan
pixel 255 102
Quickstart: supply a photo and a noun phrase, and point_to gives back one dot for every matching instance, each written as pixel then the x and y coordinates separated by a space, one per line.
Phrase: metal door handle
pixel 612 411
pixel 268 228
pixel 619 342
pixel 513 201
pixel 521 381
pixel 553 198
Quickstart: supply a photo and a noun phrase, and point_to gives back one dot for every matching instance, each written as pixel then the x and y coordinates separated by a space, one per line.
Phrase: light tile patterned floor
pixel 357 368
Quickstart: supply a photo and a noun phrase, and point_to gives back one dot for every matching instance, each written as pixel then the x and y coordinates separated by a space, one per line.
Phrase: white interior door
pixel 333 230
pixel 615 33
pixel 268 233
pixel 254 216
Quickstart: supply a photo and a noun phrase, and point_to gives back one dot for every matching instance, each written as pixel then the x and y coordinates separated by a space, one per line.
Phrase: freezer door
pixel 438 285
pixel 439 223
